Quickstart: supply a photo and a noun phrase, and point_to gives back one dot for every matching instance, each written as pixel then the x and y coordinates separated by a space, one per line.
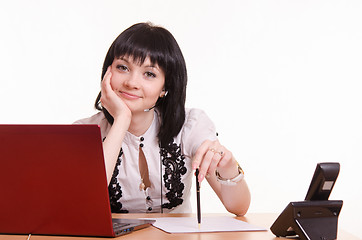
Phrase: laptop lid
pixel 53 181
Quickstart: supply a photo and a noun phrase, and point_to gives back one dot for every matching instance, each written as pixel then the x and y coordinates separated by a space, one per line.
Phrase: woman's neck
pixel 140 122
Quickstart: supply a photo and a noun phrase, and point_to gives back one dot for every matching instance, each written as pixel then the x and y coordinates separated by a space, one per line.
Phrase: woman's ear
pixel 163 93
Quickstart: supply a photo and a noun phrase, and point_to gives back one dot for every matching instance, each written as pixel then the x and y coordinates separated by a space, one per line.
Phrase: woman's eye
pixel 122 67
pixel 150 75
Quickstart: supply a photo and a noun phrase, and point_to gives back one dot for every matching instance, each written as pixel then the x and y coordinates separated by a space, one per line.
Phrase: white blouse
pixel 174 164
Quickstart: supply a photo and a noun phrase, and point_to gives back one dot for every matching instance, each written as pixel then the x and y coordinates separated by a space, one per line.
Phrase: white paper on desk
pixel 208 224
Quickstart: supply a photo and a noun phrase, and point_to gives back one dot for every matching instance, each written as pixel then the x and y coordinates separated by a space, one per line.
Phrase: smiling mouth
pixel 129 95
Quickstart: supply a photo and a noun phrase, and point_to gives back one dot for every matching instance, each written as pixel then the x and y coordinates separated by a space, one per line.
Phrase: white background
pixel 281 79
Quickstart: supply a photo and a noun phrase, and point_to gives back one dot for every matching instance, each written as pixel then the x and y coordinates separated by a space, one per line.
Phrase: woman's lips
pixel 129 95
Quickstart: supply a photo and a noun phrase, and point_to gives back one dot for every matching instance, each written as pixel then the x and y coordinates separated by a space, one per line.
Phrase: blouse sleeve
pixel 197 128
pixel 98 119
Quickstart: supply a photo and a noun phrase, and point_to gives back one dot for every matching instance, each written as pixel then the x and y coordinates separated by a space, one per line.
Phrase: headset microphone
pixel 149 109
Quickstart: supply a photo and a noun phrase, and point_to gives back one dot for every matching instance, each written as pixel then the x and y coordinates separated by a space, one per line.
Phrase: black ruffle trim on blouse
pixel 174 163
pixel 114 189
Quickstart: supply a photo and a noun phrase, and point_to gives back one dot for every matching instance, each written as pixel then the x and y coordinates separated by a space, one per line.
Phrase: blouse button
pixel 148 198
pixel 142 138
pixel 149 209
pixel 141 145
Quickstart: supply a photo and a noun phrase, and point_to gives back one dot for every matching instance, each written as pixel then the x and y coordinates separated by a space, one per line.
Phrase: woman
pixel 151 143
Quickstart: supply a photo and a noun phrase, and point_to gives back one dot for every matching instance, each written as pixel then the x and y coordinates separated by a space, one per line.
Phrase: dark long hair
pixel 144 40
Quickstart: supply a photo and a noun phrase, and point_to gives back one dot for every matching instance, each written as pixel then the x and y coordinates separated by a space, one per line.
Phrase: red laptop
pixel 53 182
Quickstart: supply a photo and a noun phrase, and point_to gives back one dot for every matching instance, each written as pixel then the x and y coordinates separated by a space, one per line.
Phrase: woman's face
pixel 139 86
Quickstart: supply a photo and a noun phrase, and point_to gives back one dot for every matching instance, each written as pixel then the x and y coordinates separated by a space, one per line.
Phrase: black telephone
pixel 315 218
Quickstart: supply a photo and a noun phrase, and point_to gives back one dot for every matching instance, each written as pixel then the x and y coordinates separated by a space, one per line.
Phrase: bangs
pixel 142 44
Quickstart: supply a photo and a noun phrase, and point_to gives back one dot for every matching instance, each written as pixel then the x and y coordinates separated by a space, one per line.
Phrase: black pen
pixel 198 197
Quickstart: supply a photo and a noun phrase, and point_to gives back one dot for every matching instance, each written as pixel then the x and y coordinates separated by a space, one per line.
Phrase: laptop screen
pixel 53 181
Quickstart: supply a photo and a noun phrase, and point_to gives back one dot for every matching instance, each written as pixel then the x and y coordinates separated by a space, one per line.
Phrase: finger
pixel 106 83
pixel 226 159
pixel 214 162
pixel 204 165
pixel 106 88
pixel 199 155
pixel 221 150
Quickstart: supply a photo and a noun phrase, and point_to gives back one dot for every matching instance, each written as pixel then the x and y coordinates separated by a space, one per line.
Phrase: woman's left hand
pixel 211 155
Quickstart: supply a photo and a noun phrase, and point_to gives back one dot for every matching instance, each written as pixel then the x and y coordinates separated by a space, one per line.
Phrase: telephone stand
pixel 309 220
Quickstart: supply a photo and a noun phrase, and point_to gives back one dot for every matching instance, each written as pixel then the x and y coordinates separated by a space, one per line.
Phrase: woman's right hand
pixel 122 119
pixel 111 101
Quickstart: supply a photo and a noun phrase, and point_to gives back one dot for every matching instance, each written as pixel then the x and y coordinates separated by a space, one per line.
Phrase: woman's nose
pixel 132 81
